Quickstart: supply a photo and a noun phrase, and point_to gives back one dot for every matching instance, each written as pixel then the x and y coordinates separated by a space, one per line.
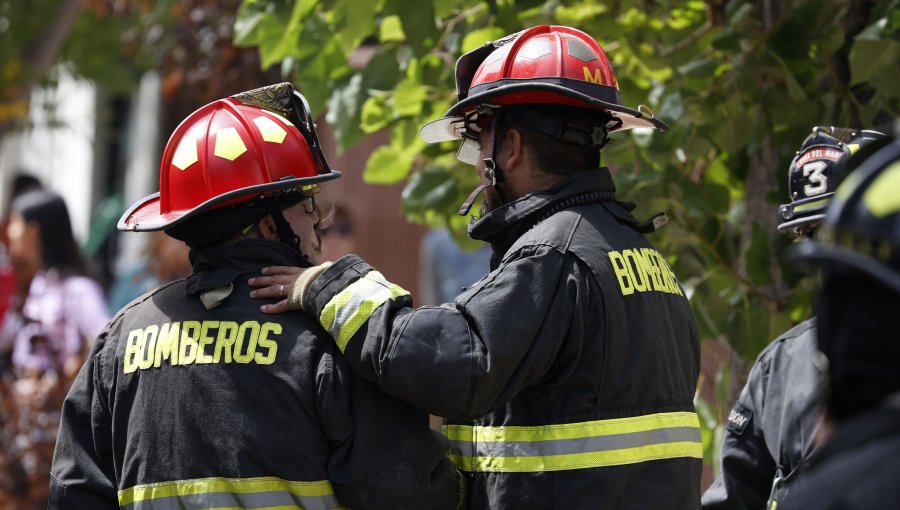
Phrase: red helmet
pixel 252 144
pixel 540 65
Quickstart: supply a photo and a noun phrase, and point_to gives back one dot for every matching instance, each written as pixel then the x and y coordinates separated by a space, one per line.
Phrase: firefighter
pixel 771 430
pixel 193 398
pixel 857 248
pixel 567 374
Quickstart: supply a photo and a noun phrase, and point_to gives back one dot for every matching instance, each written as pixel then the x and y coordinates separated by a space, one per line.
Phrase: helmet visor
pixel 469 151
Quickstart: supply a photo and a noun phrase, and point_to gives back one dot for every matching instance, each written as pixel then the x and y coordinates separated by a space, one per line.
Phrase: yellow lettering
pixel 672 279
pixel 149 344
pixel 188 342
pixel 226 338
pixel 634 260
pixel 167 344
pixel 652 267
pixel 205 340
pixel 187 352
pixel 133 346
pixel 621 273
pixel 659 277
pixel 266 343
pixel 250 330
pixel 595 78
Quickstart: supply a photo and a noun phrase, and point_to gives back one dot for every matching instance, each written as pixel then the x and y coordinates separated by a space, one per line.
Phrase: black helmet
pixel 816 171
pixel 858 248
pixel 861 229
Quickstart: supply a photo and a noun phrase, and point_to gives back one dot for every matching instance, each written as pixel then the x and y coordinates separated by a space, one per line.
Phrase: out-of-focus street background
pixel 91 89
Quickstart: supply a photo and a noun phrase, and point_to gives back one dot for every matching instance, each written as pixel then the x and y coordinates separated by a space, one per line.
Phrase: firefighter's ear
pixel 512 151
pixel 266 227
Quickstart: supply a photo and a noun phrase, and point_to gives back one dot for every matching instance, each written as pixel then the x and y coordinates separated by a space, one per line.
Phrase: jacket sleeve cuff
pixel 302 284
pixel 335 278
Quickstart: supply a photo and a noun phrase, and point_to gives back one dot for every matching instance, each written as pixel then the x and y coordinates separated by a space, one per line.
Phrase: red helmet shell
pixel 547 52
pixel 226 152
pixel 545 64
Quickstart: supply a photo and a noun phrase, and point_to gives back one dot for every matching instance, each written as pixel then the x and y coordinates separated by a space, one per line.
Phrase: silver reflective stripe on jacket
pixel 265 492
pixel 575 445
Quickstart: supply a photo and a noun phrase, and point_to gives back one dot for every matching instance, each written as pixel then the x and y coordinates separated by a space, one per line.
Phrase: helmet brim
pixel 145 214
pixel 540 92
pixel 790 226
pixel 815 254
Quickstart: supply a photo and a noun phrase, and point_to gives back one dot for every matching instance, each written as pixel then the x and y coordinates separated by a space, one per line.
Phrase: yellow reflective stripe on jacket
pixel 353 306
pixel 225 493
pixel 590 444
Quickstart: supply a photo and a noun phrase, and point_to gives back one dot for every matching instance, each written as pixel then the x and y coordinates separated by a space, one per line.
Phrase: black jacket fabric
pixel 857 468
pixel 567 373
pixel 772 428
pixel 183 407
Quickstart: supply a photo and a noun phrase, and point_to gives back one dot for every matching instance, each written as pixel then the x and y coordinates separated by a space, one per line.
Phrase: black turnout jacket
pixel 180 406
pixel 567 374
pixel 771 430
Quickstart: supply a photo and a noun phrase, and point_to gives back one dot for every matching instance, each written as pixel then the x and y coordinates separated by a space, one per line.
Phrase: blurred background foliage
pixel 740 83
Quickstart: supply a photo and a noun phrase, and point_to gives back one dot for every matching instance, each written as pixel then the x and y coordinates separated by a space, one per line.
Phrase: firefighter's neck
pixel 522 176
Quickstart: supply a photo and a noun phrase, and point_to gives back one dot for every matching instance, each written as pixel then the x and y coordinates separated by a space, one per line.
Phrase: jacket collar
pixel 867 427
pixel 217 266
pixel 506 223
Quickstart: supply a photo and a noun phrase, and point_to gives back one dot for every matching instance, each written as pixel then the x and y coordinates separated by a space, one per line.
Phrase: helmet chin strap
pixel 286 234
pixel 492 172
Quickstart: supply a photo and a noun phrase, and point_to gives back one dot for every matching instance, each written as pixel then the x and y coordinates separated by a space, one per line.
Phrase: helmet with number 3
pixel 815 172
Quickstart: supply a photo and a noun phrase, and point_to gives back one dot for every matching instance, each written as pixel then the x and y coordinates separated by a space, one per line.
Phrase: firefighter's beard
pixel 491 200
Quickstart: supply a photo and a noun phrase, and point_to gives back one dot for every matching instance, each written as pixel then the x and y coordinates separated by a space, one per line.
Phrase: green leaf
pixel 391 30
pixel 443 8
pixel 432 187
pixel 246 23
pixel 382 72
pixel 375 115
pixel 356 22
pixel 875 61
pixel 408 98
pixel 278 40
pixel 418 23
pixel 476 38
pixel 386 166
pixel 343 108
pixel 575 15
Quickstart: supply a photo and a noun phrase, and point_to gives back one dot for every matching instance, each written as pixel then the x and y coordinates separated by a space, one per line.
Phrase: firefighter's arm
pixel 384 455
pixel 747 469
pixel 82 471
pixel 458 360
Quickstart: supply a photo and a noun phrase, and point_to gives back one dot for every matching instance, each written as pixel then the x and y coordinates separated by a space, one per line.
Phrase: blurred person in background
pixel 164 260
pixel 446 270
pixel 336 233
pixel 50 328
pixel 22 183
pixel 13 482
pixel 771 431
pixel 857 249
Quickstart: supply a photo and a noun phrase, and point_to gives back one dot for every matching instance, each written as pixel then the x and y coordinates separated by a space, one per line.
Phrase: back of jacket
pixel 184 407
pixel 611 421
